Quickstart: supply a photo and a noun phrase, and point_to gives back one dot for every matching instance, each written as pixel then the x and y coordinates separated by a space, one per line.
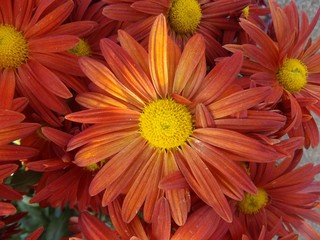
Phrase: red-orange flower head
pixel 156 116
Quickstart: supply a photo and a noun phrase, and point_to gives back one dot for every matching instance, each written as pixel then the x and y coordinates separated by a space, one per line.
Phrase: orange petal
pixel 100 75
pixel 219 78
pixel 161 220
pixel 238 101
pixel 92 228
pixel 97 100
pixel 104 115
pixel 179 199
pixel 53 43
pixel 96 133
pixel 191 56
pixel 129 74
pixel 58 137
pixel 15 132
pixel 202 181
pixel 12 152
pixel 242 145
pixel 158 59
pixel 116 166
pixel 7 209
pixel 94 152
pixel 200 225
pixel 139 189
pixel 9 118
pixel 7 88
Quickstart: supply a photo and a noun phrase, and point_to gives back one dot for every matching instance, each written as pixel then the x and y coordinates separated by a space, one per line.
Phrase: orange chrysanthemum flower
pixel 184 17
pixel 158 118
pixel 286 194
pixel 289 63
pixel 32 52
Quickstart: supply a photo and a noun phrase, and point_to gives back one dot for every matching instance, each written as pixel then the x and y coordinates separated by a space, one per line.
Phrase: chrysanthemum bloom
pixel 155 116
pixel 30 51
pixel 289 64
pixel 62 181
pixel 184 17
pixel 283 194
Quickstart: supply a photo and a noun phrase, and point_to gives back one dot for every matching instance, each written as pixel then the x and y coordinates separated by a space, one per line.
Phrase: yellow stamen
pixel 245 11
pixel 95 166
pixel 293 75
pixel 81 49
pixel 184 16
pixel 252 204
pixel 13 47
pixel 166 124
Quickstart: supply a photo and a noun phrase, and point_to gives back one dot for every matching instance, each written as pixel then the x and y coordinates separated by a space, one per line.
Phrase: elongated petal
pixel 51 20
pixel 12 152
pixel 47 165
pixel 7 88
pixel 6 209
pixel 105 79
pixel 231 170
pixel 58 137
pixel 249 148
pixel 92 228
pixel 6 170
pixel 104 115
pixel 139 190
pixel 219 78
pixel 238 101
pixel 97 151
pixel 200 225
pixel 97 100
pixel 53 43
pixel 12 133
pixel 158 59
pixel 116 166
pixel 161 220
pixel 190 58
pixel 261 38
pixel 129 74
pixel 203 182
pixel 9 118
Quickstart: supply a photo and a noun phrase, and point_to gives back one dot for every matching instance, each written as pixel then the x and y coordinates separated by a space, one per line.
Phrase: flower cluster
pixel 167 119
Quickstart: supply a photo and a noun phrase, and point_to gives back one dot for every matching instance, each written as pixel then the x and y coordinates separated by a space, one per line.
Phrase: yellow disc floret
pixel 246 11
pixel 293 75
pixel 13 47
pixel 166 124
pixel 184 16
pixel 81 49
pixel 253 203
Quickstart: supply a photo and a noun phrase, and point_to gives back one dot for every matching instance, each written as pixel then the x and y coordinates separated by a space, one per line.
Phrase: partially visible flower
pixel 30 52
pixel 285 194
pixel 62 181
pixel 156 114
pixel 289 63
pixel 10 226
pixel 184 17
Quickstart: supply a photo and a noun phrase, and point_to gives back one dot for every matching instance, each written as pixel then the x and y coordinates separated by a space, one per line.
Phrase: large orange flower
pixel 31 49
pixel 154 117
pixel 289 63
pixel 185 18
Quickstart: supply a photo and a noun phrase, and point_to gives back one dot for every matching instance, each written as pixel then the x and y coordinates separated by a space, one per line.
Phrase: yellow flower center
pixel 252 204
pixel 184 16
pixel 81 49
pixel 95 166
pixel 293 75
pixel 166 124
pixel 13 47
pixel 245 11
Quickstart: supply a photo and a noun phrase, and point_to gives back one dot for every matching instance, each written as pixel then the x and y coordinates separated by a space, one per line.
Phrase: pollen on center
pixel 253 203
pixel 184 16
pixel 166 124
